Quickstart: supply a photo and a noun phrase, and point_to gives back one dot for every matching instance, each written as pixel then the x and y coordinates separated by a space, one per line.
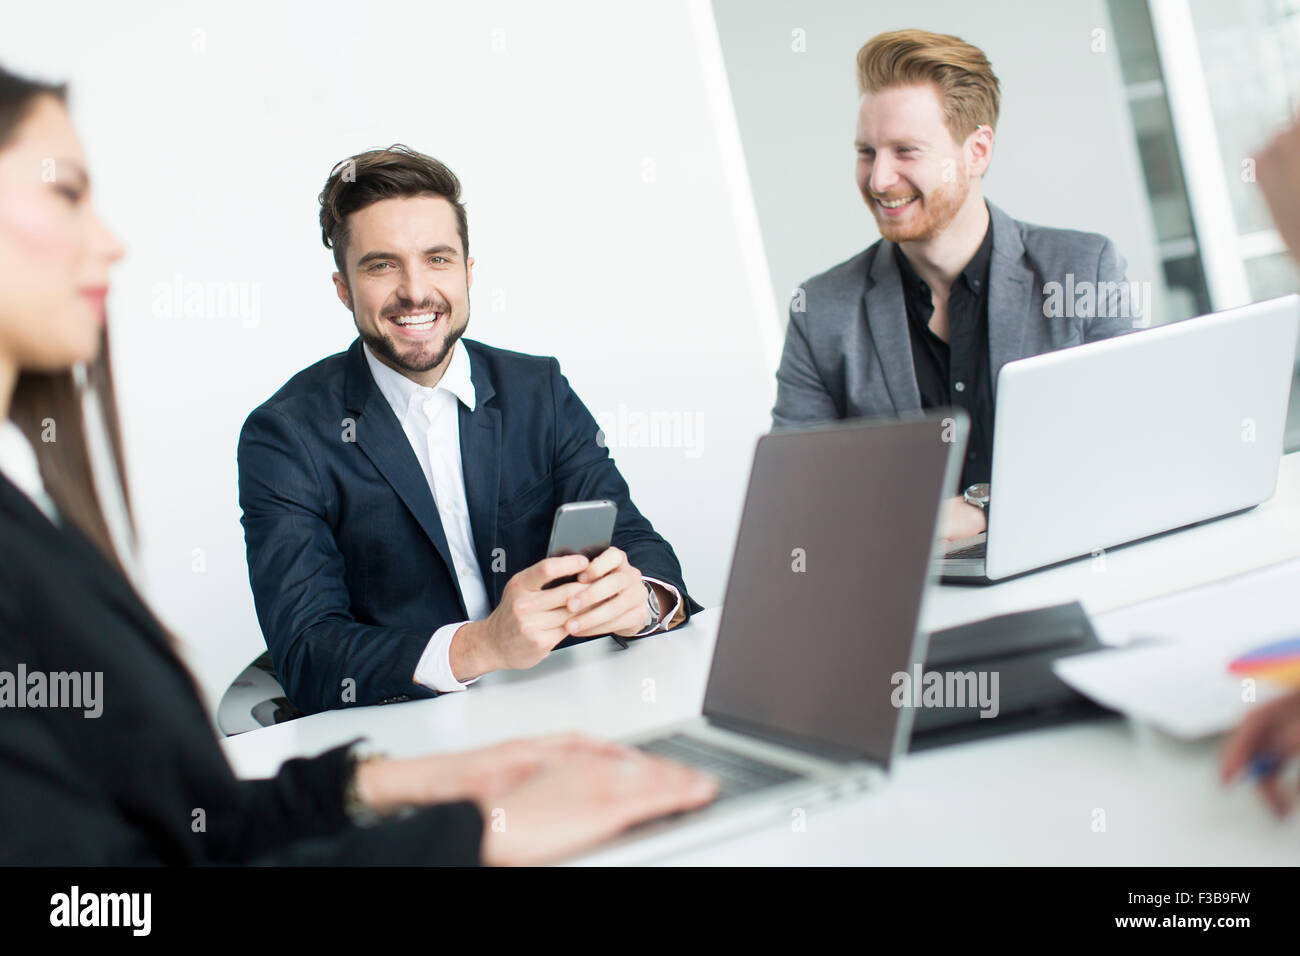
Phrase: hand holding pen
pixel 1262 745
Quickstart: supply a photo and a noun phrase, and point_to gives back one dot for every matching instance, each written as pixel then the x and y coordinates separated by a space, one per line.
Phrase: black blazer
pixel 350 568
pixel 146 781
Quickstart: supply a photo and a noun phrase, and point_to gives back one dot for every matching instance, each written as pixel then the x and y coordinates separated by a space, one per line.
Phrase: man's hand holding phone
pixel 530 620
pixel 584 588
pixel 614 601
pixel 608 597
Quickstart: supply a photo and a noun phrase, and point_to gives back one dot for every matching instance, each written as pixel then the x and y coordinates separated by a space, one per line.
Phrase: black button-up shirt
pixel 956 372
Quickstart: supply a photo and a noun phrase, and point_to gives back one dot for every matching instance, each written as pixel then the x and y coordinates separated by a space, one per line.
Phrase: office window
pixel 1180 255
pixel 1208 82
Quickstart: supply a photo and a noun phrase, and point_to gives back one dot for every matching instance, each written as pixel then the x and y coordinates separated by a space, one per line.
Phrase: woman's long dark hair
pixel 42 398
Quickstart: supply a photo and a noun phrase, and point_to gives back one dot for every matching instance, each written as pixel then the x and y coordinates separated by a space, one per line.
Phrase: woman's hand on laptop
pixel 581 797
pixel 390 784
pixel 961 519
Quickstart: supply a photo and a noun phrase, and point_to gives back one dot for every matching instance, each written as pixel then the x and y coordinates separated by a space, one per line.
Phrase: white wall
pixel 600 218
pixel 1064 154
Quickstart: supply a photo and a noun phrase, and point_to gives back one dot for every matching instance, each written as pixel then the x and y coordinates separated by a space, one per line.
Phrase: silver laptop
pixel 1106 443
pixel 823 603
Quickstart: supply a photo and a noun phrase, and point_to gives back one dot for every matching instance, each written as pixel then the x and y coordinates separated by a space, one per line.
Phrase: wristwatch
pixel 652 605
pixel 977 495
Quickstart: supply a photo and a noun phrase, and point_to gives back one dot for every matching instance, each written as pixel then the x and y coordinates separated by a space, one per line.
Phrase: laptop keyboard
pixel 976 550
pixel 737 773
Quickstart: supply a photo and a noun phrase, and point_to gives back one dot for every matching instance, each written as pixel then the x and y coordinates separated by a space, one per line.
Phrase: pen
pixel 1262 766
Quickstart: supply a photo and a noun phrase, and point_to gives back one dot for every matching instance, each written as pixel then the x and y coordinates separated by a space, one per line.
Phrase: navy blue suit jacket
pixel 350 568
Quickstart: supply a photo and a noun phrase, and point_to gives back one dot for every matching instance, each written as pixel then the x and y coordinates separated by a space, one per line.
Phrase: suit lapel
pixel 480 455
pixel 380 437
pixel 1010 294
pixel 887 321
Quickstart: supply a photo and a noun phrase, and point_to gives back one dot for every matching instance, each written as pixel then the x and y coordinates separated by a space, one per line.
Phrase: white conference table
pixel 1031 798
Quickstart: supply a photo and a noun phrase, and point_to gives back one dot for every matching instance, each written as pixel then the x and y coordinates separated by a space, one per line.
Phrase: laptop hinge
pixel 817 748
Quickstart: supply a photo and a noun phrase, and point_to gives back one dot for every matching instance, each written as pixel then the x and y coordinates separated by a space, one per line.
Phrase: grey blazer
pixel 847 349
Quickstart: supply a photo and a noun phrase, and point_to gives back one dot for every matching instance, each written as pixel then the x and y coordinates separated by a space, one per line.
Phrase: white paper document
pixel 1171 664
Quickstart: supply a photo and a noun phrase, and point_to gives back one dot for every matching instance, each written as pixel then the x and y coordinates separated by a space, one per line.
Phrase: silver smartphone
pixel 581 527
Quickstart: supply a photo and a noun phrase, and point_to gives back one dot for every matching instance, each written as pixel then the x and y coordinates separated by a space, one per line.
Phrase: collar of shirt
pixel 19 465
pixel 976 272
pixel 400 391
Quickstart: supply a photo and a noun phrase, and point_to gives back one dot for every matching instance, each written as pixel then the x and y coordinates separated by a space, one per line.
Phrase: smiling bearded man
pixel 397 497
pixel 955 288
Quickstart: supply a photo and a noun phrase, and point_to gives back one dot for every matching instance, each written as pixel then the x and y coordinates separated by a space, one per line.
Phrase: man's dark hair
pixel 366 178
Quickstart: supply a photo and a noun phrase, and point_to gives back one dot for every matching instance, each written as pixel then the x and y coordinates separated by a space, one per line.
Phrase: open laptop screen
pixel 825 588
pixel 1140 434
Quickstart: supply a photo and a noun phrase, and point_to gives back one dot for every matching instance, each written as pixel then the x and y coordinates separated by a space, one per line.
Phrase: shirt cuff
pixel 664 616
pixel 434 668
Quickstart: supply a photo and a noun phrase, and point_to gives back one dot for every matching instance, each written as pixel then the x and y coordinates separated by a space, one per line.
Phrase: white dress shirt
pixel 18 462
pixel 430 418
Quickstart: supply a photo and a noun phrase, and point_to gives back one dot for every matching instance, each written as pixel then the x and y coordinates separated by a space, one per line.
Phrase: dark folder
pixel 1020 648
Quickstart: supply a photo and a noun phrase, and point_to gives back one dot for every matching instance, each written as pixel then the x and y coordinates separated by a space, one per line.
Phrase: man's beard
pixel 416 360
pixel 935 213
